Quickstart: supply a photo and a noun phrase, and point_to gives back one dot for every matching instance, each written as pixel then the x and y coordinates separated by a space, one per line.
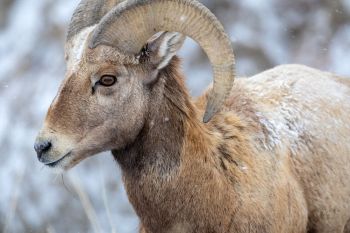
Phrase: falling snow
pixel 32 199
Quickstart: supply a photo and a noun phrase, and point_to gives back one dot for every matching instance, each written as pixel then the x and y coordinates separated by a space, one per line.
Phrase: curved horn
pixel 128 26
pixel 88 13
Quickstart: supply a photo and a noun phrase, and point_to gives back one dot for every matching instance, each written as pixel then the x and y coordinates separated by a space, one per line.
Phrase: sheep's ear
pixel 162 47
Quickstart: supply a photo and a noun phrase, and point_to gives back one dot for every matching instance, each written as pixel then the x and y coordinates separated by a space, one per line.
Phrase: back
pixel 305 112
pixel 301 105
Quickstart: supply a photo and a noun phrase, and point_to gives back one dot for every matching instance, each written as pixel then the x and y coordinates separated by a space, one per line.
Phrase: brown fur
pixel 230 175
pixel 184 175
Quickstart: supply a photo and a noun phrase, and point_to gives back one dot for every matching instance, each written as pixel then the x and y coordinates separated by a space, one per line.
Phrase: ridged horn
pixel 128 26
pixel 88 13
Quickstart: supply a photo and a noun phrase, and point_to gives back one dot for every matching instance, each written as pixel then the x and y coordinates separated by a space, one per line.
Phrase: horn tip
pixel 92 45
pixel 207 117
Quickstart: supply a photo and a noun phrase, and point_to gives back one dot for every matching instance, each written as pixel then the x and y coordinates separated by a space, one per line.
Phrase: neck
pixel 153 164
pixel 158 148
pixel 176 161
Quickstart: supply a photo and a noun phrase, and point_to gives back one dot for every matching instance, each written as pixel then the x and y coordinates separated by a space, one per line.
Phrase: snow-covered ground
pixel 91 198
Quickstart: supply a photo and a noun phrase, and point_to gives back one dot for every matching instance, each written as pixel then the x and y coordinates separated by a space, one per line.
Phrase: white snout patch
pixel 62 146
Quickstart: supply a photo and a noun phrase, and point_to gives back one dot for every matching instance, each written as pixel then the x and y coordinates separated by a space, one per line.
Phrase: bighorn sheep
pixel 271 156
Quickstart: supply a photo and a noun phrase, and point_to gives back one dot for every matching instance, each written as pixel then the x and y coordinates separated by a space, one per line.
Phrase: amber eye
pixel 107 80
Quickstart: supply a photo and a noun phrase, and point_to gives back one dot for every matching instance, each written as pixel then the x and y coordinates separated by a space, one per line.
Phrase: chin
pixel 63 164
pixel 68 161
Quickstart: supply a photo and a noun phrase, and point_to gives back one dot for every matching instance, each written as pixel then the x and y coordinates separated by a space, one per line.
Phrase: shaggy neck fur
pixel 179 171
pixel 152 164
pixel 159 145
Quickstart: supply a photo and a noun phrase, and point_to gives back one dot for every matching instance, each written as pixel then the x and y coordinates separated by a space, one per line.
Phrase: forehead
pixel 75 48
pixel 78 53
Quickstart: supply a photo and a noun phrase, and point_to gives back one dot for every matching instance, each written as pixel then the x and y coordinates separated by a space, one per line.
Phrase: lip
pixel 55 163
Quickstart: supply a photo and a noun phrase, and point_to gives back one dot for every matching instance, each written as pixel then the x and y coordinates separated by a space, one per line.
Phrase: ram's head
pixel 112 65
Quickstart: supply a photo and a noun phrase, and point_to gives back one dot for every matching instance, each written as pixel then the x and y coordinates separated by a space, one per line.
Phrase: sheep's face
pixel 98 107
pixel 101 105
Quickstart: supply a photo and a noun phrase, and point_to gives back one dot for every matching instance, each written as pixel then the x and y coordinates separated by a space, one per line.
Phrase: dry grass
pixel 87 205
pixel 105 202
pixel 14 201
pixel 50 229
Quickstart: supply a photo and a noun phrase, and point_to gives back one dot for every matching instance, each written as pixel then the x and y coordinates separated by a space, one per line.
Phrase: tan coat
pixel 276 159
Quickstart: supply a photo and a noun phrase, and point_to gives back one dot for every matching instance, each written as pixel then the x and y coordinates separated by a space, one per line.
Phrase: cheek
pixel 116 130
pixel 124 106
pixel 108 92
pixel 124 112
pixel 126 129
pixel 105 101
pixel 110 96
pixel 125 94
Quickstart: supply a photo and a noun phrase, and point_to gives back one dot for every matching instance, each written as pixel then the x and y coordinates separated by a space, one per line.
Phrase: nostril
pixel 42 147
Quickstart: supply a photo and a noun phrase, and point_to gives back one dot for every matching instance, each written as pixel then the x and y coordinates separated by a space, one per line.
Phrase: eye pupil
pixel 107 80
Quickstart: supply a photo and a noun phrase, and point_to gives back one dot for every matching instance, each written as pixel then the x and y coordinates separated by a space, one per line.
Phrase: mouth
pixel 57 162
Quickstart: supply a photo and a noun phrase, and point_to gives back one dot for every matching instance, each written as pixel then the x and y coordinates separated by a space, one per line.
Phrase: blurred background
pixel 91 198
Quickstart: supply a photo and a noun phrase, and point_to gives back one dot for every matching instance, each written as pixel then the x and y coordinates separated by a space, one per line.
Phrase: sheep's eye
pixel 107 80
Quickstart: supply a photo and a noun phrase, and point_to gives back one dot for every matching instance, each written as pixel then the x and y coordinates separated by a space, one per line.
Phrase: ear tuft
pixel 163 47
